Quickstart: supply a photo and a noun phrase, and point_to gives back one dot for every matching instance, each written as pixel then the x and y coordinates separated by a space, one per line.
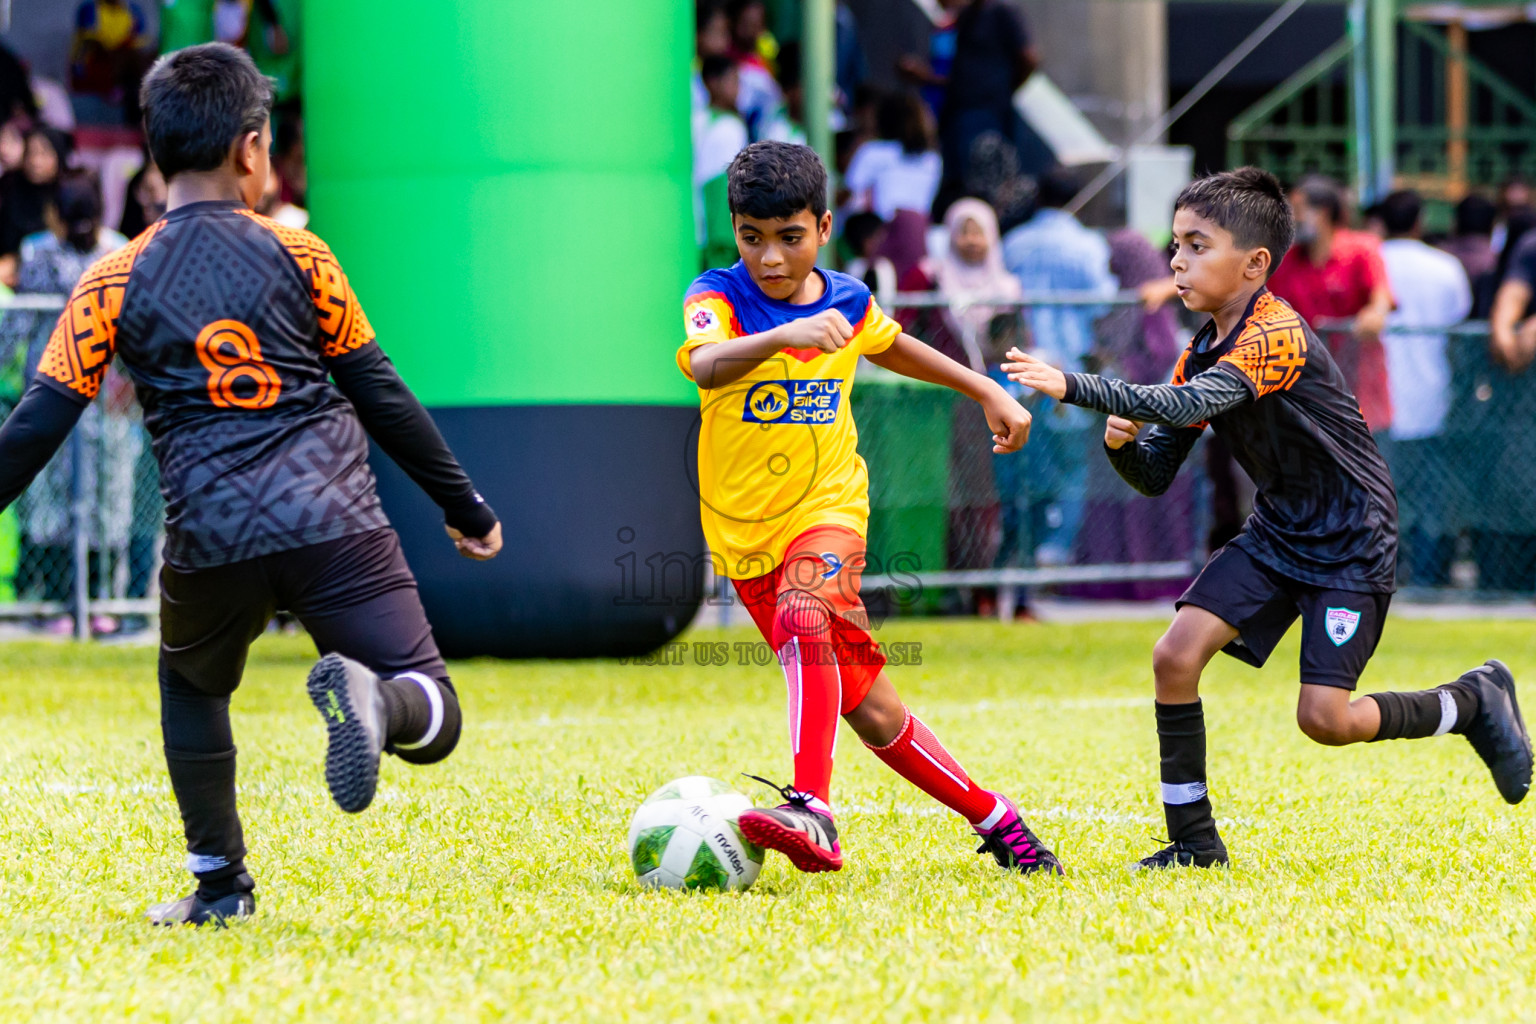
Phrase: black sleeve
pixel 31 434
pixel 1206 395
pixel 1150 463
pixel 395 418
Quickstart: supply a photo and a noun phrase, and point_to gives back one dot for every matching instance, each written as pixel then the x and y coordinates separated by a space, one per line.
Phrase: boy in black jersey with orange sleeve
pixel 1321 544
pixel 232 329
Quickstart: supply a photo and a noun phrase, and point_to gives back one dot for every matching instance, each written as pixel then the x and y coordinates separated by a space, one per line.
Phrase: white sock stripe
pixel 990 821
pixel 435 699
pixel 799 693
pixel 794 685
pixel 1447 712
pixel 1182 792
pixel 197 862
pixel 940 766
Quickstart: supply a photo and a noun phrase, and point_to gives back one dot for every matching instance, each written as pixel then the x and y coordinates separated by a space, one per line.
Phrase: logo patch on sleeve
pixel 1341 624
pixel 793 401
pixel 704 319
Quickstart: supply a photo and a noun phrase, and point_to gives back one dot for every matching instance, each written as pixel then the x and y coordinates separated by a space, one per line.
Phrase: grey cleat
pixel 194 910
pixel 348 697
pixel 1497 731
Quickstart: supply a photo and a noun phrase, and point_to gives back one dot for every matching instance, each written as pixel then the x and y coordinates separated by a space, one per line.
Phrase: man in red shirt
pixel 1331 274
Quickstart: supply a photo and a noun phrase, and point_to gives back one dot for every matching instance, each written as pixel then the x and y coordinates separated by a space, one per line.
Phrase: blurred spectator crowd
pixel 943 189
pixel 75 184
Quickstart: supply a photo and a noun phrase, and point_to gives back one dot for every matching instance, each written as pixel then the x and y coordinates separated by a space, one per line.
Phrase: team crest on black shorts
pixel 1341 624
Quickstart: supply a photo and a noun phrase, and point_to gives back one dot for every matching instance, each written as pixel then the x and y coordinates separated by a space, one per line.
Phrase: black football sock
pixel 1181 741
pixel 205 791
pixel 424 717
pixel 200 756
pixel 1411 716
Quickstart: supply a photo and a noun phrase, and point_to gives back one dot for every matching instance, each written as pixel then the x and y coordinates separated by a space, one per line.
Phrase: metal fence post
pixel 79 507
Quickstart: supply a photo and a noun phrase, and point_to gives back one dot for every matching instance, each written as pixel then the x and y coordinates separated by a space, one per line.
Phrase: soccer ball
pixel 685 837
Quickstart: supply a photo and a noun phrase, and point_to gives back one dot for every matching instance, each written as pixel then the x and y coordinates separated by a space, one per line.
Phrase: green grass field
pixel 1374 882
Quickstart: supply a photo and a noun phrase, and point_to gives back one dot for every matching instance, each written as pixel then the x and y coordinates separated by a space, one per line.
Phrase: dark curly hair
pixel 776 180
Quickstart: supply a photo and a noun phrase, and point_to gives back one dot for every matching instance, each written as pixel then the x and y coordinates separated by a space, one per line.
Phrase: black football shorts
pixel 355 595
pixel 1339 628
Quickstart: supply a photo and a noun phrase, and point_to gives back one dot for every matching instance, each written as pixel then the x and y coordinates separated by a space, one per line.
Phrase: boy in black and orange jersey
pixel 232 329
pixel 1321 544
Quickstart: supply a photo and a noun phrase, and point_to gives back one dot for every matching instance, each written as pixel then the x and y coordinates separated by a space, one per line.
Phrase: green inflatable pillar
pixel 507 186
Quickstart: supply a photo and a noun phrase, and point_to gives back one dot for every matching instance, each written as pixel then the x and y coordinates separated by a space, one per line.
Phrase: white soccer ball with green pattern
pixel 685 837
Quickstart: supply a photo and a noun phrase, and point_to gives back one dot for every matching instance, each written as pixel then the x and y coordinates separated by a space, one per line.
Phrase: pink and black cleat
pixel 1015 846
pixel 807 836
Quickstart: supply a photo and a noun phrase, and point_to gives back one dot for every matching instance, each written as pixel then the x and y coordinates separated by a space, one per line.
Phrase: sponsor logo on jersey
pixel 793 401
pixel 1341 624
pixel 703 319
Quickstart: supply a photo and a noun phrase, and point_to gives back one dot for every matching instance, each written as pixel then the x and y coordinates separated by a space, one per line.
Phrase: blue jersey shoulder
pixel 850 296
pixel 718 282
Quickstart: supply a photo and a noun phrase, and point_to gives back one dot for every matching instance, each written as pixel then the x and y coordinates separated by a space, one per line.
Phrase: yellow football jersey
pixel 778 450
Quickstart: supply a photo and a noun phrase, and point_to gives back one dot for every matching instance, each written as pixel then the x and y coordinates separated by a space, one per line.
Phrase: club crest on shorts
pixel 1341 624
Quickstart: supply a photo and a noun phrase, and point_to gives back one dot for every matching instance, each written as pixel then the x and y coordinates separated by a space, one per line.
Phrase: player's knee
pixel 877 719
pixel 1176 663
pixel 800 613
pixel 214 685
pixel 1323 724
pixel 443 727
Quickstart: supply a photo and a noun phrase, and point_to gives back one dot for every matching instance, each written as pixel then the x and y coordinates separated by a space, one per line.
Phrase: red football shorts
pixel 827 561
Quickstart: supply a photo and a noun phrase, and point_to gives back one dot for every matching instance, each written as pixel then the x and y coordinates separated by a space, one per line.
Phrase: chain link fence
pixel 954 529
pixel 80 549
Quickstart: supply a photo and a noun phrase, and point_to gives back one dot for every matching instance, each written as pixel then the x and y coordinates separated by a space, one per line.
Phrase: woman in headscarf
pixel 972 275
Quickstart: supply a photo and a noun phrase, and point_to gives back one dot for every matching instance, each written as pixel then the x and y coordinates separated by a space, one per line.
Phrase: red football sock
pixel 802 635
pixel 917 756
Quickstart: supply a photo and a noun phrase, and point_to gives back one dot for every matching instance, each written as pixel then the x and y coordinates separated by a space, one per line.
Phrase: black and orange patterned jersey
pixel 1324 512
pixel 227 323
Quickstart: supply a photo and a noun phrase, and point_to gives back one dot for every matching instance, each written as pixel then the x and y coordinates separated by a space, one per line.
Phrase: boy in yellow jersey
pixel 772 344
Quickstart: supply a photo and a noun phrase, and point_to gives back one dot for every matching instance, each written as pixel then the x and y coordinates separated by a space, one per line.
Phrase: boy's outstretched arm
pixel 911 358
pixel 717 364
pixel 396 419
pixel 1150 463
pixel 1205 395
pixel 31 434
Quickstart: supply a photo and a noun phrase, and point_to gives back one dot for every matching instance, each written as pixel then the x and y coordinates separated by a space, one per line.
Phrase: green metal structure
pixel 1396 102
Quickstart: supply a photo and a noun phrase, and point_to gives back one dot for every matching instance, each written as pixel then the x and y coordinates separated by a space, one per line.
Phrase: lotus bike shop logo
pixel 793 401
pixel 782 408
